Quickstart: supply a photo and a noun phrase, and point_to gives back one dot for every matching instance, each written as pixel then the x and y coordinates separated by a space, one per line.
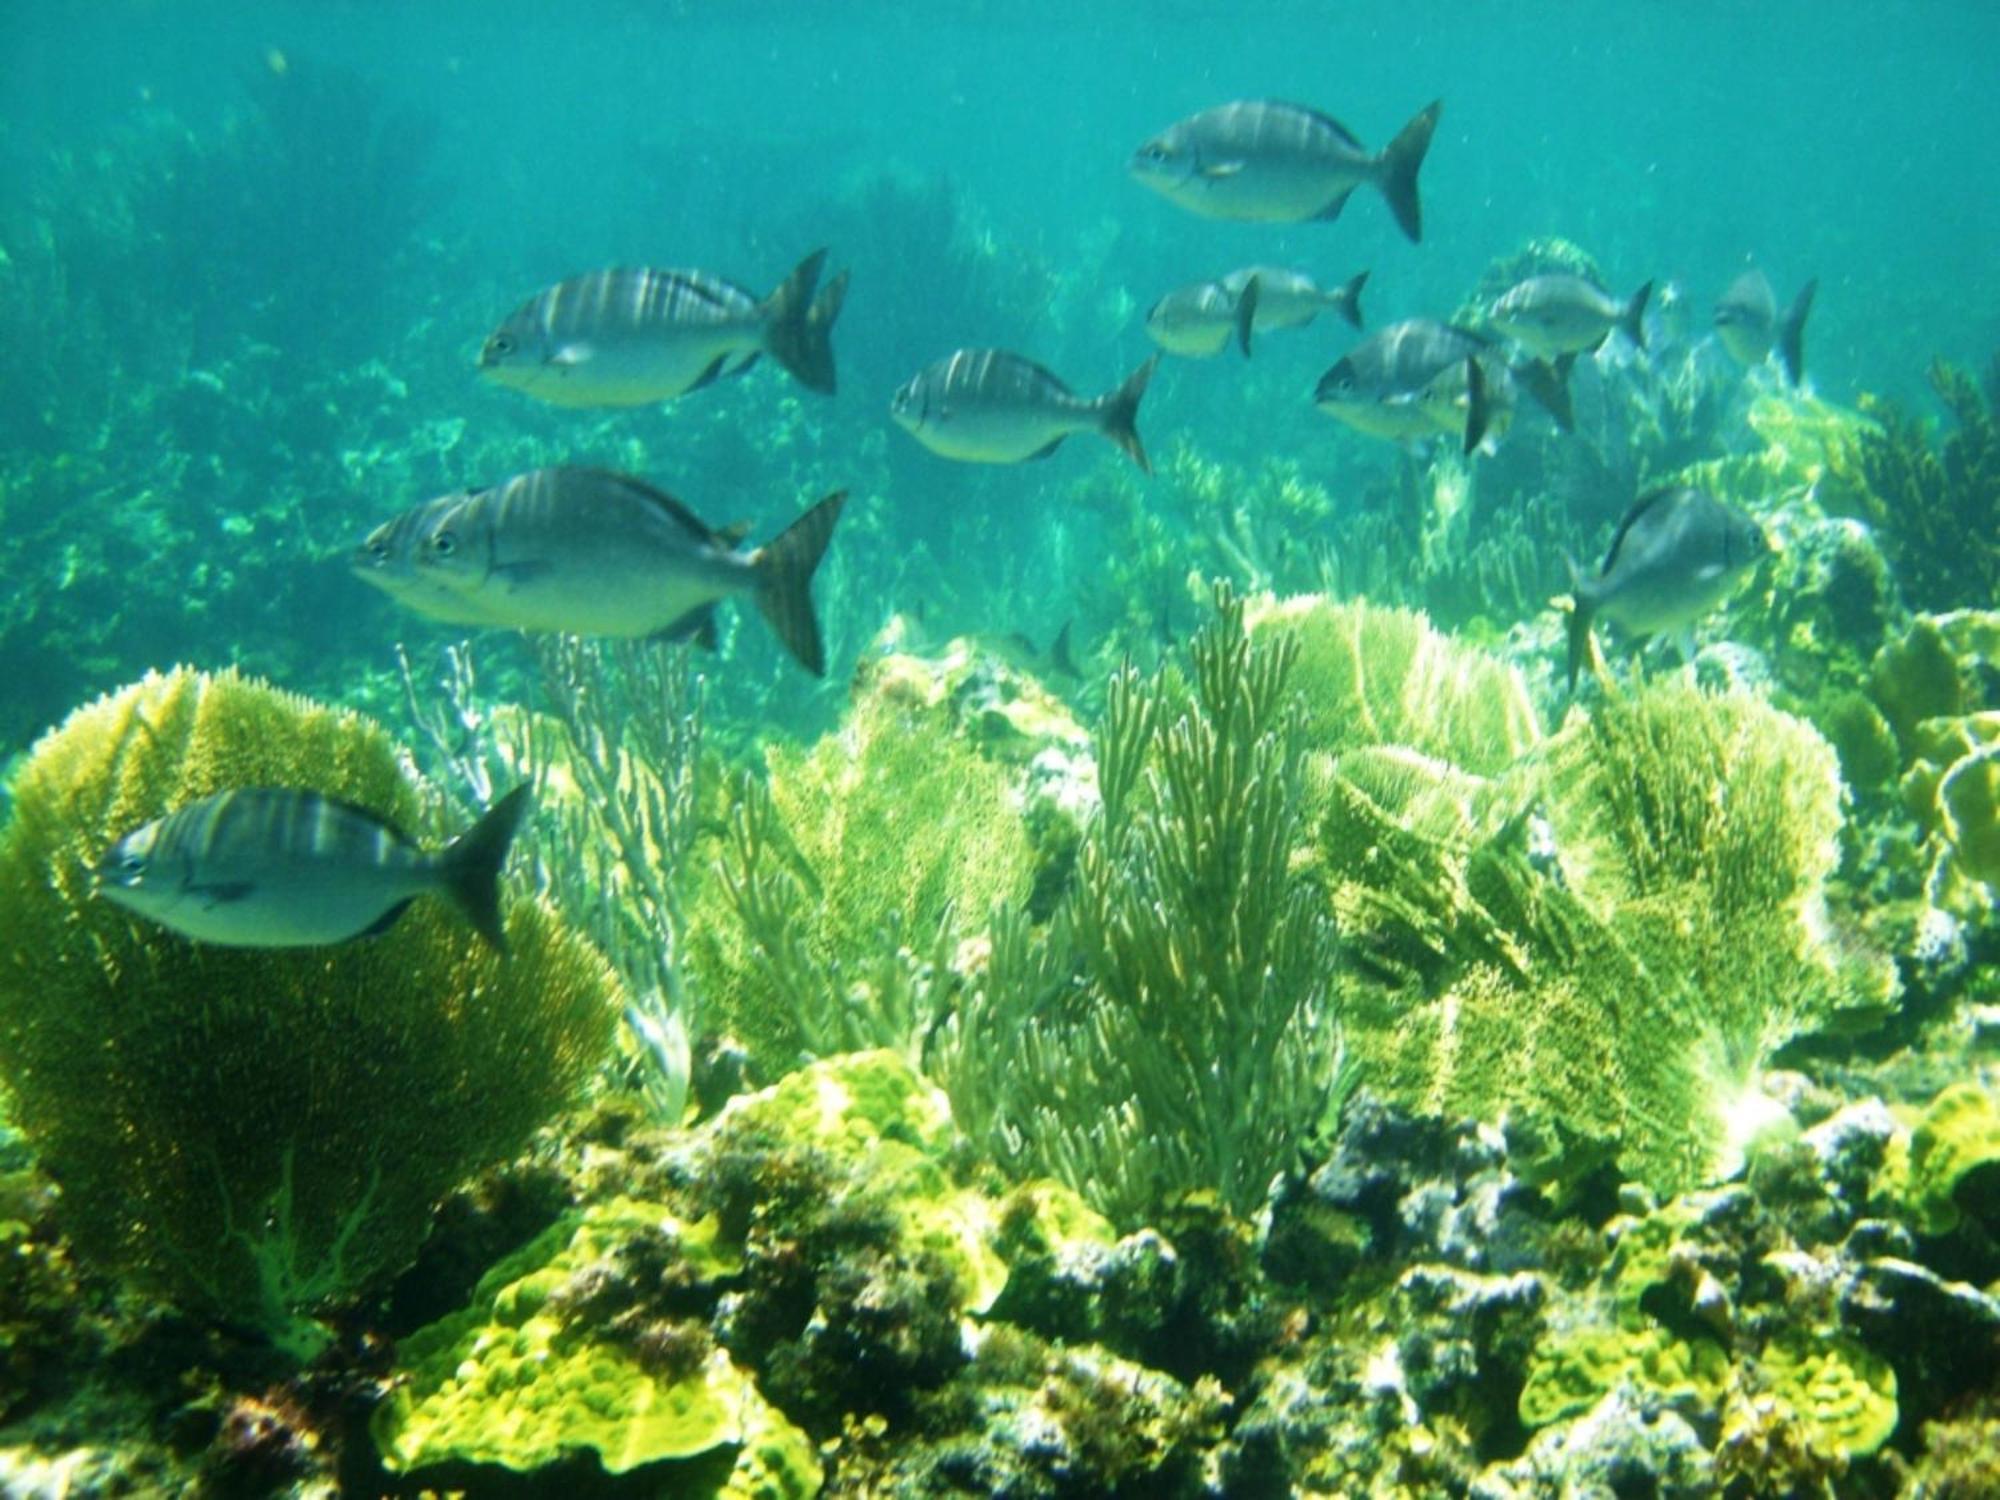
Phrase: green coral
pixel 1569 1375
pixel 512 1381
pixel 1367 675
pixel 1844 1396
pixel 1938 509
pixel 261 1132
pixel 1171 1028
pixel 1606 940
pixel 1958 1135
pixel 850 873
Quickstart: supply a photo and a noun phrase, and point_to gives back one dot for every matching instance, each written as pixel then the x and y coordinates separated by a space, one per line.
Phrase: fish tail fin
pixel 1478 409
pixel 1633 318
pixel 784 568
pixel 1348 298
pixel 1583 606
pixel 1549 385
pixel 1792 332
pixel 1396 169
pixel 1246 313
pixel 798 325
pixel 1118 414
pixel 471 866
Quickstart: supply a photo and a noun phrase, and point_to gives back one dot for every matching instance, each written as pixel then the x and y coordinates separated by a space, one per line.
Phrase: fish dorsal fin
pixel 666 505
pixel 1321 117
pixel 733 534
pixel 1640 506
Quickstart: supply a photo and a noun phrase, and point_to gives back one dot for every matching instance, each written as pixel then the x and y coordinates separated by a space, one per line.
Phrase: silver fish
pixel 991 407
pixel 1409 381
pixel 631 336
pixel 1551 316
pixel 1747 322
pixel 589 552
pixel 1198 320
pixel 1292 299
pixel 1678 553
pixel 1260 159
pixel 275 868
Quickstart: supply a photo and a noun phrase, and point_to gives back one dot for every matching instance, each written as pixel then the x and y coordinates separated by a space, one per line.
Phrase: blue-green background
pixel 251 252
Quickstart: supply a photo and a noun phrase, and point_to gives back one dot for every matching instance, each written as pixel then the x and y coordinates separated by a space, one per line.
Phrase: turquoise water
pixel 249 256
pixel 281 203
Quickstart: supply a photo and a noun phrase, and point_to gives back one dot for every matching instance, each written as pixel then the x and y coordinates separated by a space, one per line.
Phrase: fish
pixel 631 336
pixel 1419 379
pixel 1677 554
pixel 992 407
pixel 1272 162
pixel 1748 324
pixel 1197 320
pixel 1554 316
pixel 273 867
pixel 591 552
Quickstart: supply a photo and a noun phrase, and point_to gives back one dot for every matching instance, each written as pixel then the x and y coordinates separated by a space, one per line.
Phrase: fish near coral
pixel 1748 324
pixel 630 336
pixel 275 868
pixel 590 552
pixel 988 406
pixel 1557 316
pixel 1418 379
pixel 1678 553
pixel 1267 161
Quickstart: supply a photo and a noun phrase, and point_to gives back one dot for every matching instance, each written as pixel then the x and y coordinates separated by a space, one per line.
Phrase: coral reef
pixel 1937 508
pixel 259 1133
pixel 851 873
pixel 1171 1029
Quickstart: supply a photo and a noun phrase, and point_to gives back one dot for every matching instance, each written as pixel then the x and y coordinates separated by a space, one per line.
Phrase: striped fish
pixel 1264 160
pixel 631 336
pixel 1559 315
pixel 990 407
pixel 590 552
pixel 1198 320
pixel 274 868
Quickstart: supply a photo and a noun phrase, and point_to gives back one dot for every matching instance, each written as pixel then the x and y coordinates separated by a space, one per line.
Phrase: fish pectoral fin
pixel 387 920
pixel 568 356
pixel 711 374
pixel 222 893
pixel 513 575
pixel 1215 171
pixel 1332 210
pixel 697 625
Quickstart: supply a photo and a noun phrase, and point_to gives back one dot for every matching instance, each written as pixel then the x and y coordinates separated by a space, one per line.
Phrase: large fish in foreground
pixel 631 336
pixel 1678 553
pixel 990 407
pixel 1747 322
pixel 1198 320
pixel 1261 159
pixel 1554 316
pixel 590 552
pixel 275 868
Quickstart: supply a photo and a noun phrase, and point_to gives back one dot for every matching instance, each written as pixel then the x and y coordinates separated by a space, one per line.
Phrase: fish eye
pixel 444 544
pixel 501 343
pixel 133 864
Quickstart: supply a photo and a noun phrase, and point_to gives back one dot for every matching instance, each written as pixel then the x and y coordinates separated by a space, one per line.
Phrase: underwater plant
pixel 1601 938
pixel 849 873
pixel 260 1133
pixel 1937 509
pixel 1172 1028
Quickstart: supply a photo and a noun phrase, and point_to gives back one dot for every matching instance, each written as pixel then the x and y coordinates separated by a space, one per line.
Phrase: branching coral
pixel 847 878
pixel 1605 936
pixel 258 1132
pixel 1938 509
pixel 1172 1029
